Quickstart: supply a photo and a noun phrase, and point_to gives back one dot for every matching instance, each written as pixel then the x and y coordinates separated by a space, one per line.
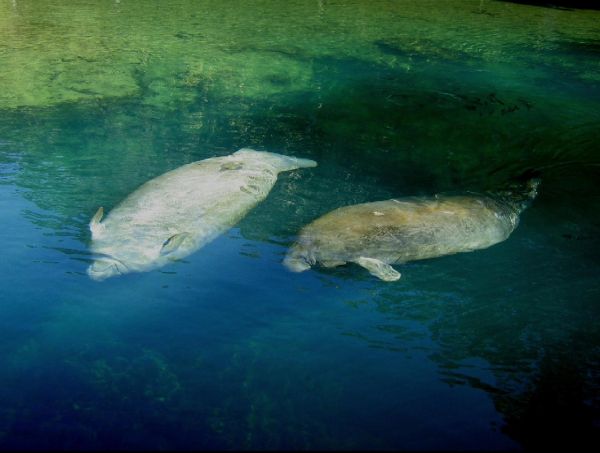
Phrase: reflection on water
pixel 494 349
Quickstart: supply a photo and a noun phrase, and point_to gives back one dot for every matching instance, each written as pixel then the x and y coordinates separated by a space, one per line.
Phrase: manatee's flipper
pixel 379 269
pixel 173 243
pixel 95 226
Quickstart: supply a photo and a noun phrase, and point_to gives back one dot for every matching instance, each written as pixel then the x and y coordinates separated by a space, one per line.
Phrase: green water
pixel 496 349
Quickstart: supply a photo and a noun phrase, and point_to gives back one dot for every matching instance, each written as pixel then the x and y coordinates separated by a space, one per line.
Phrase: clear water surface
pixel 496 349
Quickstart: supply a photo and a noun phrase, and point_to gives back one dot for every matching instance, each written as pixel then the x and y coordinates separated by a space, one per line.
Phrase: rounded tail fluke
pixel 521 190
pixel 280 161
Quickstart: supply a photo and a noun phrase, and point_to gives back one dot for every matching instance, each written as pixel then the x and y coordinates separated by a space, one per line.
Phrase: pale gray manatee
pixel 375 235
pixel 176 213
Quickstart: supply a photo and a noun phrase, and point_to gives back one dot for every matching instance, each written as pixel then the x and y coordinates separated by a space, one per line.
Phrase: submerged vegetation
pixel 53 53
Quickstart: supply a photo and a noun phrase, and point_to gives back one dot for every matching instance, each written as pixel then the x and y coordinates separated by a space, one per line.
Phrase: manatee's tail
pixel 527 183
pixel 521 190
pixel 279 161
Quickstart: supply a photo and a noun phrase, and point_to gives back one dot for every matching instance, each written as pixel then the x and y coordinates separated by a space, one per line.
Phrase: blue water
pixel 496 349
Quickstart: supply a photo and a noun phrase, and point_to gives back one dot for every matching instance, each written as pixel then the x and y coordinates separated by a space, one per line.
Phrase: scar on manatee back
pixel 250 189
pixel 231 166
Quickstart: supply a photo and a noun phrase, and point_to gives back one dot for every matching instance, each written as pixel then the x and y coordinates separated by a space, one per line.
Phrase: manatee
pixel 378 234
pixel 176 213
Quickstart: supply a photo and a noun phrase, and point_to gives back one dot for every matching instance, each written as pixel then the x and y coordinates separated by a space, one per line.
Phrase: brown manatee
pixel 375 235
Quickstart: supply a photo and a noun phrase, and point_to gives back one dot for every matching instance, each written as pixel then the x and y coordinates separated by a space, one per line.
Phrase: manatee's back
pixel 406 229
pixel 200 196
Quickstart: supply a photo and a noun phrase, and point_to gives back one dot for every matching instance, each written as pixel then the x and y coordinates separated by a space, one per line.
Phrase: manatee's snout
pixel 103 268
pixel 298 260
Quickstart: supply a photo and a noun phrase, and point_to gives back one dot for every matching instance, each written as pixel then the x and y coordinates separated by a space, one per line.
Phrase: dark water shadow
pixel 567 5
pixel 582 49
pixel 559 409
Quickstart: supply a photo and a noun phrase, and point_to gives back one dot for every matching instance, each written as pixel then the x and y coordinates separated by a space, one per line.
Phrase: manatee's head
pixel 299 258
pixel 105 267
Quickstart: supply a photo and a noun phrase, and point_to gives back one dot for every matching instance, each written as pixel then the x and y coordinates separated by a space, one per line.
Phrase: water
pixel 496 349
